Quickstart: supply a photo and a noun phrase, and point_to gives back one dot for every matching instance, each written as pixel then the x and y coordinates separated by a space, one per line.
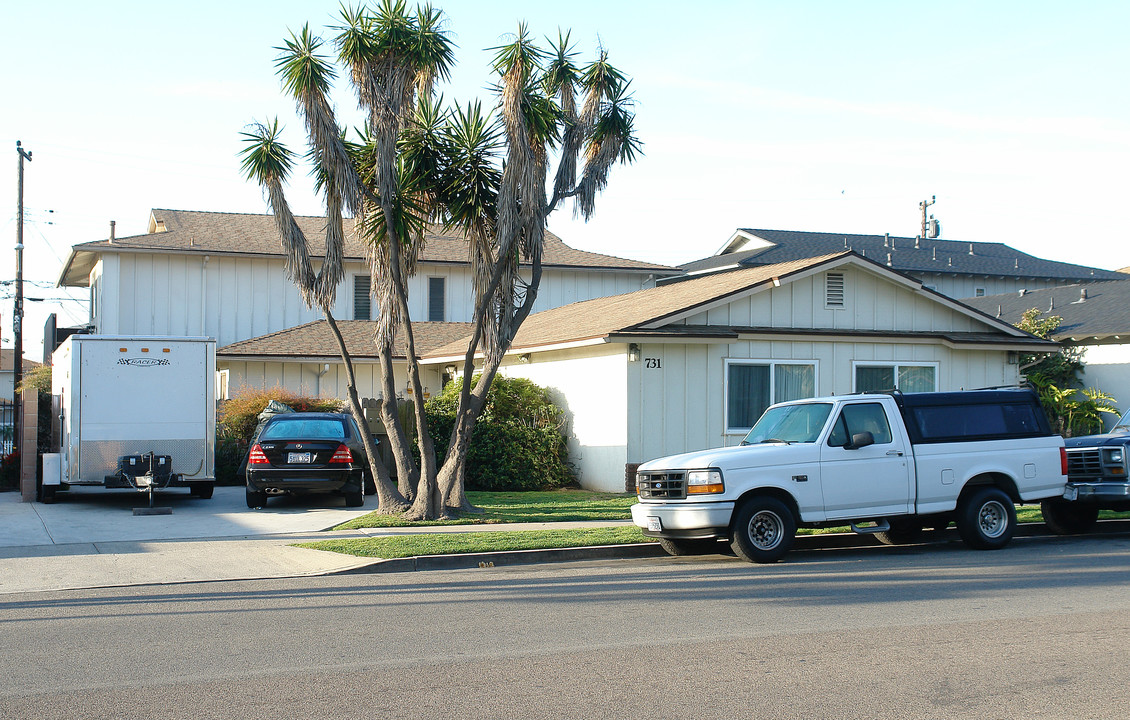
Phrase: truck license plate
pixel 654 524
pixel 299 458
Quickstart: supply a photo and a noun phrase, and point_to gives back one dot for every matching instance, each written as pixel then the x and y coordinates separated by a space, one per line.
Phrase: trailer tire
pixel 256 498
pixel 45 493
pixel 763 530
pixel 986 519
pixel 1068 518
pixel 692 546
pixel 202 490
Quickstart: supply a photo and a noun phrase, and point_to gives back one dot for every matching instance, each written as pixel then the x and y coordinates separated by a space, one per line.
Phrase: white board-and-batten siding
pixel 238 298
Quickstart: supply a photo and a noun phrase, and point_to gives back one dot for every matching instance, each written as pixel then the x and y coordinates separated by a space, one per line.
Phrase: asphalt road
pixel 1037 630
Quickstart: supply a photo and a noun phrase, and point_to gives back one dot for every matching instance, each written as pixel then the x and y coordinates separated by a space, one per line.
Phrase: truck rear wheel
pixel 689 546
pixel 1068 518
pixel 202 490
pixel 986 519
pixel 763 530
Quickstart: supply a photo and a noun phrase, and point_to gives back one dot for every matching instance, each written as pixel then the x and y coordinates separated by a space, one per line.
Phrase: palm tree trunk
pixel 389 500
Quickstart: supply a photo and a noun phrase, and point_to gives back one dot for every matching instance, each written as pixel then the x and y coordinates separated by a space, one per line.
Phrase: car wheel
pixel 986 519
pixel 1068 518
pixel 902 532
pixel 354 498
pixel 202 490
pixel 683 546
pixel 256 498
pixel 763 530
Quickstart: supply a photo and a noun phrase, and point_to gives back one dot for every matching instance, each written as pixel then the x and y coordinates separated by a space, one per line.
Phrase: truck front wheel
pixel 986 519
pixel 763 531
pixel 1068 518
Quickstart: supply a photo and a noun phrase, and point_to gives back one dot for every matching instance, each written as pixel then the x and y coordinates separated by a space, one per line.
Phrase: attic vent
pixel 160 226
pixel 834 290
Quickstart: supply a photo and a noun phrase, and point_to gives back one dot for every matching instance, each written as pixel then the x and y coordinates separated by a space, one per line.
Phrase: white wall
pixel 306 378
pixel 237 298
pixel 590 384
pixel 1107 367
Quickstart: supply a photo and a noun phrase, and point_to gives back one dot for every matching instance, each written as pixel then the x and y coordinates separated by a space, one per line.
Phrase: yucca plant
pixel 416 162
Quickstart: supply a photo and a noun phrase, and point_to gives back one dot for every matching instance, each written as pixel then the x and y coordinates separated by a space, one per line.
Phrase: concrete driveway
pixel 91 538
pixel 91 515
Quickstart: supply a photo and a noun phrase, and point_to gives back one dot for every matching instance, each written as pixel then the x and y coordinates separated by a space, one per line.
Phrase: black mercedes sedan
pixel 300 453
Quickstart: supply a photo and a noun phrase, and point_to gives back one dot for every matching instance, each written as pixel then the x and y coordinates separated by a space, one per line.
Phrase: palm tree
pixel 416 163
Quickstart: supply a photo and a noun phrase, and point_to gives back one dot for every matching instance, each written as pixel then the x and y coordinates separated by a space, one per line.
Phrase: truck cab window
pixel 861 417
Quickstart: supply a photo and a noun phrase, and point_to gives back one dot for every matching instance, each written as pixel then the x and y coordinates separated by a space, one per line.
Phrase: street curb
pixel 467 561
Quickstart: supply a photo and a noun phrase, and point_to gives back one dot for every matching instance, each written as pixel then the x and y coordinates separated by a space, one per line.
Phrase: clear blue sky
pixel 823 116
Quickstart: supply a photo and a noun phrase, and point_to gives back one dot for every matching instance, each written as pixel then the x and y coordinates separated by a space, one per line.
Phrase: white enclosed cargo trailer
pixel 133 411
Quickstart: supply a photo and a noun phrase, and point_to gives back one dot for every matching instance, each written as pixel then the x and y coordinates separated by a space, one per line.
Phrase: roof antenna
pixel 922 206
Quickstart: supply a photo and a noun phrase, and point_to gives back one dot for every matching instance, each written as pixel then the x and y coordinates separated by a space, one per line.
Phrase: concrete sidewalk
pixel 90 538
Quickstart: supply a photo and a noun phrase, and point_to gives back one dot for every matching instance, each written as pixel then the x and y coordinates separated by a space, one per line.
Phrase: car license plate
pixel 299 458
pixel 654 524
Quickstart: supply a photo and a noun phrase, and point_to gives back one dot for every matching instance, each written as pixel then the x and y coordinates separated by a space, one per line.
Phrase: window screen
pixel 436 299
pixel 362 298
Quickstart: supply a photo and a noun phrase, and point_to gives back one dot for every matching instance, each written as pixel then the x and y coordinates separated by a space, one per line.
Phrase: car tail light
pixel 1063 460
pixel 342 455
pixel 257 456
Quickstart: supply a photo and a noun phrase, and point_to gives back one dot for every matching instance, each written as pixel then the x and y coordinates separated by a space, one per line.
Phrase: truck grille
pixel 665 486
pixel 1084 463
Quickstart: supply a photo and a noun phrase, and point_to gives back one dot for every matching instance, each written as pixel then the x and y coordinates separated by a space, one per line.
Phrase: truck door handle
pixel 896 453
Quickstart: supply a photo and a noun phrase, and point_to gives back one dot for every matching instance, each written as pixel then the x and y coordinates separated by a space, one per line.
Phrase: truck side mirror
pixel 861 440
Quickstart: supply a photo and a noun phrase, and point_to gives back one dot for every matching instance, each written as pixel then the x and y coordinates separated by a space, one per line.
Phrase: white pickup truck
pixel 888 464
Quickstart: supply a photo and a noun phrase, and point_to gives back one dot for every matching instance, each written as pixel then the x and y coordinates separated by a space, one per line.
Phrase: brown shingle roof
pixel 217 233
pixel 314 340
pixel 643 312
pixel 7 358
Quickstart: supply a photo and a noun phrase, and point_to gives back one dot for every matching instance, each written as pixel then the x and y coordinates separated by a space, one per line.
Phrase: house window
pixel 752 386
pixel 834 290
pixel 882 377
pixel 362 297
pixel 437 299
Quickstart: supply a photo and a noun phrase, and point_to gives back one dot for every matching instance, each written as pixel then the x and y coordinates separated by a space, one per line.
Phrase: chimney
pixel 112 224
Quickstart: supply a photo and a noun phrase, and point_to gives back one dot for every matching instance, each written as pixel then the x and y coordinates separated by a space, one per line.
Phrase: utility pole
pixel 18 312
pixel 922 206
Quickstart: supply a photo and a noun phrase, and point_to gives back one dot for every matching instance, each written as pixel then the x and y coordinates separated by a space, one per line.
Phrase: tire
pixel 684 546
pixel 902 532
pixel 986 519
pixel 763 530
pixel 256 498
pixel 202 490
pixel 1068 518
pixel 355 498
pixel 45 493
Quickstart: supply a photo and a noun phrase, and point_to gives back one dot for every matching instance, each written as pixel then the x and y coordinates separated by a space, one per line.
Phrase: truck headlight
pixel 1113 458
pixel 704 481
pixel 1114 455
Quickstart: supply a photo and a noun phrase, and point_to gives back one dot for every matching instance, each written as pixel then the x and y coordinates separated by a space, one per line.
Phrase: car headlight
pixel 704 481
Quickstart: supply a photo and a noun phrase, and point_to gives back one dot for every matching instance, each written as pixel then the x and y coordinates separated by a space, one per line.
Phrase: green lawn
pixel 549 506
pixel 511 507
pixel 400 546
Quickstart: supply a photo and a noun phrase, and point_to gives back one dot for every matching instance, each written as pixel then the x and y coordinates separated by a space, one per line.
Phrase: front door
pixel 869 481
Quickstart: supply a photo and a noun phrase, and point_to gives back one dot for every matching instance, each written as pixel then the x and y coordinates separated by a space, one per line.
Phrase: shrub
pixel 518 443
pixel 237 418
